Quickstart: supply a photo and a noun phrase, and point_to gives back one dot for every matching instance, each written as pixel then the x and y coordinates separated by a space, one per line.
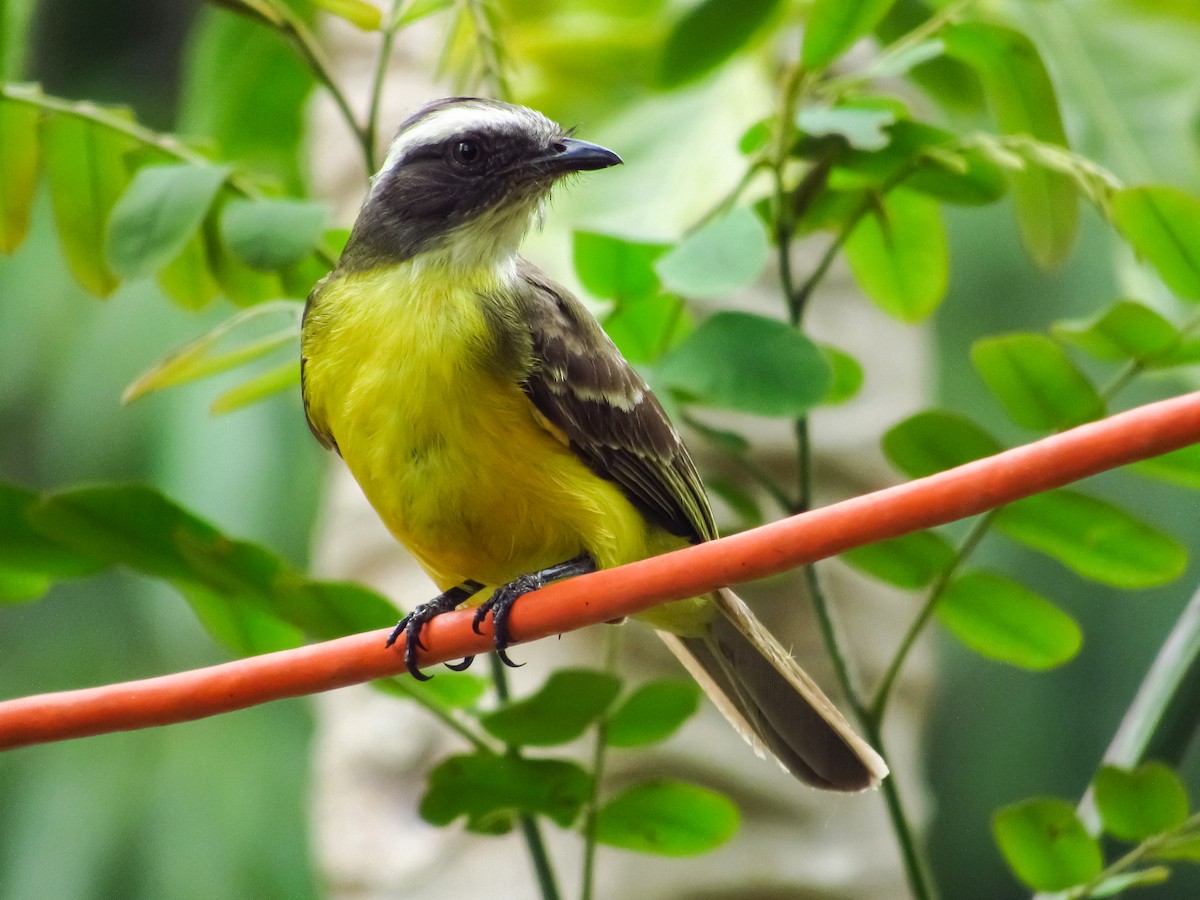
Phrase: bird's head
pixel 462 182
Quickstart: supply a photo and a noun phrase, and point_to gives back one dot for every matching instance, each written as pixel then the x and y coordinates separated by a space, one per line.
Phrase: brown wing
pixel 583 386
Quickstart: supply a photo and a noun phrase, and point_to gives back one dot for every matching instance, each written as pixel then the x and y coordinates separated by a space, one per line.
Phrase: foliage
pixel 1049 849
pixel 848 162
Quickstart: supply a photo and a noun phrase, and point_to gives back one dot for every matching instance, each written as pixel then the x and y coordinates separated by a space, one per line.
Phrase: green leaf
pixel 241 284
pixel 450 690
pixel 1000 619
pixel 1180 467
pixel 1035 381
pixel 1185 353
pixel 160 211
pixel 667 818
pixel 19 163
pixel 1126 330
pixel 899 255
pixel 834 25
pixel 644 328
pixel 328 609
pixel 748 363
pixel 23 548
pixel 263 128
pixel 1140 803
pixel 283 377
pixel 359 13
pixel 1120 883
pixel 910 561
pixel 85 168
pixel 561 710
pixel 422 8
pixel 1162 224
pixel 22 587
pixel 755 138
pixel 1022 99
pixel 722 439
pixel 1094 538
pixel 653 712
pixel 928 160
pixel 708 34
pixel 726 254
pixel 738 499
pixel 846 375
pixel 29 560
pixel 258 10
pixel 1046 845
pixel 187 279
pixel 934 441
pixel 613 268
pixel 202 358
pixel 272 234
pixel 1185 848
pixel 491 790
pixel 861 128
pixel 242 592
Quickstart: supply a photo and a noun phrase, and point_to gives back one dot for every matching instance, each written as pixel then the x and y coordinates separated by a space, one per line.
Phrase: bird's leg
pixel 410 626
pixel 501 602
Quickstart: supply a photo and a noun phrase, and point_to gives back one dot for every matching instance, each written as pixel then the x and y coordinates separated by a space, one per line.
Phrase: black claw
pixel 460 666
pixel 480 614
pixel 500 604
pixel 410 626
pixel 508 662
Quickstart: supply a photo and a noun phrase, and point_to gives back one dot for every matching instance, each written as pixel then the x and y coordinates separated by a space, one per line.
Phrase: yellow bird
pixel 499 433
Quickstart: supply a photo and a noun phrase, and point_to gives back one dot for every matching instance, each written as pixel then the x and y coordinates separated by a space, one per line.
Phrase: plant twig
pixel 599 749
pixel 371 126
pixel 292 27
pixel 530 831
pixel 878 707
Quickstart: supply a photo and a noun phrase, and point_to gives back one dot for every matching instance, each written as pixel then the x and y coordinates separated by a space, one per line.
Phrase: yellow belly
pixel 450 453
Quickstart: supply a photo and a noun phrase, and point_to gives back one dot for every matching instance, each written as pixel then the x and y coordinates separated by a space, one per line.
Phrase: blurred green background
pixel 218 807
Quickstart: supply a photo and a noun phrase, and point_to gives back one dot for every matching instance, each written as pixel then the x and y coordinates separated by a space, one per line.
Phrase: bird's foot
pixel 410 626
pixel 501 602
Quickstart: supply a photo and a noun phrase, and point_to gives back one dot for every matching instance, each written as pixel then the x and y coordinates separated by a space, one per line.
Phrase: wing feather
pixel 582 386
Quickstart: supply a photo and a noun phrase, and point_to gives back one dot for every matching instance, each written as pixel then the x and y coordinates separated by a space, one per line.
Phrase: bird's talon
pixel 508 662
pixel 460 666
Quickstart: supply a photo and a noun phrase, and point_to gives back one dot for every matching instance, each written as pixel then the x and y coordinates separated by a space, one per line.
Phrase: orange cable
pixel 611 594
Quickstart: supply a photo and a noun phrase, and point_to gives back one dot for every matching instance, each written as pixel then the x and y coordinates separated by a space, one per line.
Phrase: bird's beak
pixel 571 155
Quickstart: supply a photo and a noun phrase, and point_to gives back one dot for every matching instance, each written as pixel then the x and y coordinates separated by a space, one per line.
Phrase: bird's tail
pixel 772 702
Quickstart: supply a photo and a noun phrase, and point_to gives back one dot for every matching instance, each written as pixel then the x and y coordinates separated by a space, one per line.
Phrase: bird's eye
pixel 467 153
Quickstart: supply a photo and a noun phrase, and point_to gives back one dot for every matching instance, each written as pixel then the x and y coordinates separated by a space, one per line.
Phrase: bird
pixel 501 436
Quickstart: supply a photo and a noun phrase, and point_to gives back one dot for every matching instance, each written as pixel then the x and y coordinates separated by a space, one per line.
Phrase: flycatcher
pixel 500 434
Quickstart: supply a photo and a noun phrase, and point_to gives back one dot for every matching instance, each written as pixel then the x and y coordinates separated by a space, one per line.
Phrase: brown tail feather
pixel 773 703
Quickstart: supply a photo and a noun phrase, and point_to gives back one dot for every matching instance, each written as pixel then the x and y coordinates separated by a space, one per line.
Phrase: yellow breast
pixel 403 370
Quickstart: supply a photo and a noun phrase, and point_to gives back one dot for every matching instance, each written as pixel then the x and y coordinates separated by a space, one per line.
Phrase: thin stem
pixel 727 202
pixel 1136 855
pixel 921 33
pixel 599 749
pixel 490 53
pixel 445 716
pixel 833 644
pixel 764 480
pixel 878 705
pixel 371 126
pixel 297 34
pixel 915 869
pixel 530 830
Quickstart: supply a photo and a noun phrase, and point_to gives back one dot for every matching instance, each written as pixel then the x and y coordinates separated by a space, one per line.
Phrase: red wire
pixel 611 594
